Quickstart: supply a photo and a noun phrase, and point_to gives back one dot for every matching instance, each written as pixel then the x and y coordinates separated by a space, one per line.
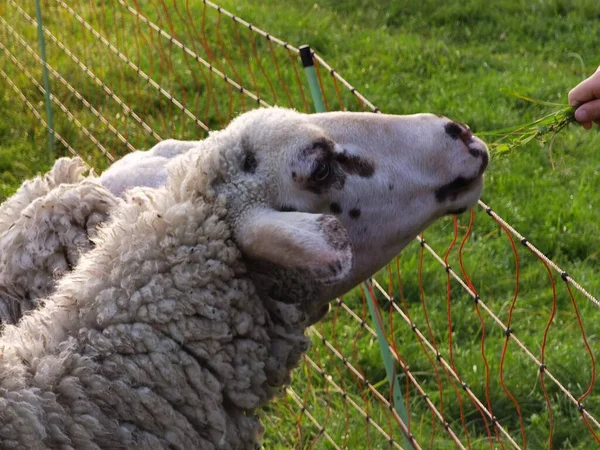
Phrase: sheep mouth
pixel 460 185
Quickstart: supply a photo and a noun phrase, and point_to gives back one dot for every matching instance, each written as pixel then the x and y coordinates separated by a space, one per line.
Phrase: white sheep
pixel 34 257
pixel 44 227
pixel 144 168
pixel 189 314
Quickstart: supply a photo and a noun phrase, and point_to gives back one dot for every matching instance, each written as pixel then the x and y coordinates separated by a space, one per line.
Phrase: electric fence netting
pixel 126 73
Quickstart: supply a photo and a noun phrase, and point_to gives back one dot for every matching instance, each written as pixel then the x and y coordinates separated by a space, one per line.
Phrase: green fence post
pixel 38 13
pixel 311 74
pixel 389 364
pixel 398 400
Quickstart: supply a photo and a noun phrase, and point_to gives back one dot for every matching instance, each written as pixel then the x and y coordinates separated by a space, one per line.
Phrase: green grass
pixel 453 58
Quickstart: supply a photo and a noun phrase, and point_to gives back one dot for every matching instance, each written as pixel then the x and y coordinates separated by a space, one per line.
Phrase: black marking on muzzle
pixel 479 153
pixel 458 211
pixel 453 130
pixel 452 189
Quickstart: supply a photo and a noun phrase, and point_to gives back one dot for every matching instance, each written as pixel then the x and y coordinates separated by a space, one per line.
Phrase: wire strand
pixel 71 89
pixel 53 98
pixel 193 54
pixel 36 113
pixel 130 63
pixel 88 72
pixel 564 275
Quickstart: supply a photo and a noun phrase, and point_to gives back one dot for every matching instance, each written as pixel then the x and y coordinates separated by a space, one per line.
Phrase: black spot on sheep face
pixel 250 163
pixel 354 164
pixel 323 173
pixel 354 213
pixel 335 208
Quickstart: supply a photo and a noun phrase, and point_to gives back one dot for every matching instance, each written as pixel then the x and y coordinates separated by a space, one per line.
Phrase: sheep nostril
pixel 480 153
pixel 460 131
pixel 466 136
pixel 485 160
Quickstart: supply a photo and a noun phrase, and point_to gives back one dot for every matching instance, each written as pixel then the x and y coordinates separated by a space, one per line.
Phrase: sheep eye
pixel 322 172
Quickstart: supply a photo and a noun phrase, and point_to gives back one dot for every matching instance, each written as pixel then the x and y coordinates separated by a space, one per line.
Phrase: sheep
pixel 34 256
pixel 189 313
pixel 31 260
pixel 144 168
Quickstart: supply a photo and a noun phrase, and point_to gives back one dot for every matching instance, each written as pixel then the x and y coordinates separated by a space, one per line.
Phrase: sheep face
pixel 340 194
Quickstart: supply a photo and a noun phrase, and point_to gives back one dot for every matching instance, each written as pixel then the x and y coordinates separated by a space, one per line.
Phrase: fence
pixel 122 76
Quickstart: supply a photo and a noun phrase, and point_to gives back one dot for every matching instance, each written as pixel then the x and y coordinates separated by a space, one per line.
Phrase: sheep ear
pixel 317 243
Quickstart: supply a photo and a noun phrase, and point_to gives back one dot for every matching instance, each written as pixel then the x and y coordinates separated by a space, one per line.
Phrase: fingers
pixel 588 89
pixel 587 113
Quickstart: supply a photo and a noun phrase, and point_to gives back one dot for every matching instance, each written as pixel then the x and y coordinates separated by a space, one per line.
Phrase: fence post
pixel 398 400
pixel 389 364
pixel 38 13
pixel 311 74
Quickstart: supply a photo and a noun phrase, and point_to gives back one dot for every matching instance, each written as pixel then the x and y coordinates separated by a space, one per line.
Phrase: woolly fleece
pixel 44 227
pixel 157 339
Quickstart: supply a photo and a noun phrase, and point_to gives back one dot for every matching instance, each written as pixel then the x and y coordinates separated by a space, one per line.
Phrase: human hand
pixel 586 95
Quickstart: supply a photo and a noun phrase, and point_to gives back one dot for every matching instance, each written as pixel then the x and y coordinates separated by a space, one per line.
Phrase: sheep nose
pixel 457 130
pixel 476 147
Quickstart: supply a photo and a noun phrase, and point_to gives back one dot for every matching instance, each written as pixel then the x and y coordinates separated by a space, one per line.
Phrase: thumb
pixel 588 89
pixel 588 112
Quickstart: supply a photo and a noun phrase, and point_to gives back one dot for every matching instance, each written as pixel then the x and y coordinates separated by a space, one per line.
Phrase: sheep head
pixel 333 197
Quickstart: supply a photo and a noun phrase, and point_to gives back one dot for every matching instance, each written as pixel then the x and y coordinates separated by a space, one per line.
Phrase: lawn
pixel 462 59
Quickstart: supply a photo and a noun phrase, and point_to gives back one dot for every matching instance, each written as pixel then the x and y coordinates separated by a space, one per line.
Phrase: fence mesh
pixel 125 74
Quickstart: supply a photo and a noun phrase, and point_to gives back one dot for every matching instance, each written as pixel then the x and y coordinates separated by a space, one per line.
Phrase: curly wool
pixel 43 229
pixel 65 170
pixel 158 339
